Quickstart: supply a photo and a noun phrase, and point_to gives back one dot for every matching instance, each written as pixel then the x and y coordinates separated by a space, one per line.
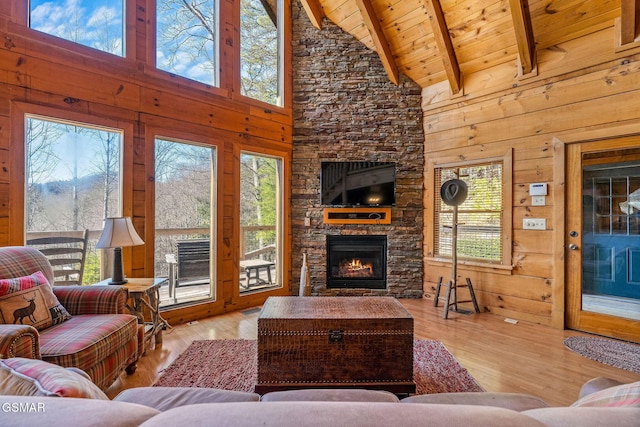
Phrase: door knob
pixel 573 247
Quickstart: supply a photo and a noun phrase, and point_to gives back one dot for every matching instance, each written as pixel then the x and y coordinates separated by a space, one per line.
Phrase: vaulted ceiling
pixel 432 41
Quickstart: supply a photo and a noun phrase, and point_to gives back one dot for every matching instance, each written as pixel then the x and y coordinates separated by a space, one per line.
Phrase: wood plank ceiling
pixel 432 41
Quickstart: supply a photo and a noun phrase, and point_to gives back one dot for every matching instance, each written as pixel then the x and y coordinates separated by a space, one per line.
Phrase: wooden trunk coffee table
pixel 335 342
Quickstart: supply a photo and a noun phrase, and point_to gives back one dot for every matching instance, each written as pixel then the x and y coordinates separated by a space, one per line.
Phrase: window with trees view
pixel 480 217
pixel 72 181
pixel 185 188
pixel 186 39
pixel 260 50
pixel 260 215
pixel 94 23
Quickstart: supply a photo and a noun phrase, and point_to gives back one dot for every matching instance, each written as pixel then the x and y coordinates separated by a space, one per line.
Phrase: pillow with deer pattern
pixel 29 300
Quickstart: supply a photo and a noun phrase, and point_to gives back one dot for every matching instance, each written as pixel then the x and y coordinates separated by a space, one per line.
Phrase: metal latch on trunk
pixel 336 336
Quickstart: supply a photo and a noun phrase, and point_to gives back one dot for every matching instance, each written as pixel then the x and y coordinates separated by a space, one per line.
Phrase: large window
pixel 72 181
pixel 94 23
pixel 260 50
pixel 186 39
pixel 260 221
pixel 184 217
pixel 480 217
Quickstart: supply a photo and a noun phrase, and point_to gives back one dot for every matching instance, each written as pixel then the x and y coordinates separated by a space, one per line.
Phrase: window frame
pixel 281 27
pixel 17 210
pixel 280 211
pixel 20 111
pixel 139 45
pixel 507 217
pixel 627 26
pixel 215 227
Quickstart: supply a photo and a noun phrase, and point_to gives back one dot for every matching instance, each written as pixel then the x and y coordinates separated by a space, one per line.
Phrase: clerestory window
pixel 94 23
pixel 261 50
pixel 187 39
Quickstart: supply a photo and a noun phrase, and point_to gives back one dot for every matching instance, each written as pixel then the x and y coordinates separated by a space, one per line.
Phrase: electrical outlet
pixel 534 224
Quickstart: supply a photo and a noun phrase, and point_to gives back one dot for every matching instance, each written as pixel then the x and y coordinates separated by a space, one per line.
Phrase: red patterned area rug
pixel 232 365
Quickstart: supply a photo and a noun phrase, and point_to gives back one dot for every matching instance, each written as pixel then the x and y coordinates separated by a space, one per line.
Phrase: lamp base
pixel 118 276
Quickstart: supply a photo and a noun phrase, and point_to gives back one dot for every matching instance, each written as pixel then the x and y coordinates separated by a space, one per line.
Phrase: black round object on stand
pixel 454 193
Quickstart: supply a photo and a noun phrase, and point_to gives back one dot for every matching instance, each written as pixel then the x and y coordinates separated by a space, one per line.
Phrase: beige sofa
pixel 159 406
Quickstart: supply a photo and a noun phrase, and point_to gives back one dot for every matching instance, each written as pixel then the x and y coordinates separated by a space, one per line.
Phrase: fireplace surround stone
pixel 345 108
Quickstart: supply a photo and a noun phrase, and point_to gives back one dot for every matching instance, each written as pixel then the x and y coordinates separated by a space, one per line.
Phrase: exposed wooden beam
pixel 314 12
pixel 524 34
pixel 380 41
pixel 444 44
pixel 629 20
pixel 270 7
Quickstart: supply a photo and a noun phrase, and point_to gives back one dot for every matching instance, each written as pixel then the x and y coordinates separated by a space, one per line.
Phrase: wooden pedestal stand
pixel 451 300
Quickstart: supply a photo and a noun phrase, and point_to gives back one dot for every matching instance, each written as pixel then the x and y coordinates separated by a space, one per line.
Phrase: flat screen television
pixel 358 184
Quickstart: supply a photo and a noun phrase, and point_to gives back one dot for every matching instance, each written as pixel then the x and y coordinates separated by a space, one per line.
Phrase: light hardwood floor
pixel 503 357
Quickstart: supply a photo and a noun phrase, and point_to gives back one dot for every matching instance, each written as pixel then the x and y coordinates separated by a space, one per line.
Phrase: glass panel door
pixel 184 220
pixel 611 239
pixel 602 259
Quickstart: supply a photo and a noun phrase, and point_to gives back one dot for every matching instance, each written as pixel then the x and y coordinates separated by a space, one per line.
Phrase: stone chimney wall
pixel 346 109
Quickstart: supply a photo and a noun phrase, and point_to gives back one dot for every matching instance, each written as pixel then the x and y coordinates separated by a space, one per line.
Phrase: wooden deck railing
pixel 173 234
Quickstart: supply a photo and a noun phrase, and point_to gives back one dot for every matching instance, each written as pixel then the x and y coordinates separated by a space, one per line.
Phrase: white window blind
pixel 479 217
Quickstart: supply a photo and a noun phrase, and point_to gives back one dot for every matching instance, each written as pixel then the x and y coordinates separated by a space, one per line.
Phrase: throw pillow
pixel 29 300
pixel 625 395
pixel 32 377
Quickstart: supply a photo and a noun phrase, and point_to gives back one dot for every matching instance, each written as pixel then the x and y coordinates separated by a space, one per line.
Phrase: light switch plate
pixel 538 200
pixel 534 224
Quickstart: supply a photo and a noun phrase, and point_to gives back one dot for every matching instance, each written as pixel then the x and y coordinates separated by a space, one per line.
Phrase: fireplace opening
pixel 357 262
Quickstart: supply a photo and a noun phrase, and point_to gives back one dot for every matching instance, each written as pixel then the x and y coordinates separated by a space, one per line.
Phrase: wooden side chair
pixel 66 252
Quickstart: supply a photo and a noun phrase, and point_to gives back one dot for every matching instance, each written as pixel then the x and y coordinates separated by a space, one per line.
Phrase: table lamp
pixel 118 233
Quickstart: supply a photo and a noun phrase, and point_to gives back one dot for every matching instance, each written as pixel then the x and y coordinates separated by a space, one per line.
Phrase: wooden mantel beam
pixel 380 41
pixel 314 12
pixel 524 34
pixel 444 44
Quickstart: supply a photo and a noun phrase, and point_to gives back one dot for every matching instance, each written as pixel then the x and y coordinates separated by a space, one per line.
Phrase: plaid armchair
pixel 101 337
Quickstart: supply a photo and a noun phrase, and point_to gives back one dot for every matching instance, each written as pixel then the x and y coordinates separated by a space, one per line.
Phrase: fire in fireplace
pixel 357 262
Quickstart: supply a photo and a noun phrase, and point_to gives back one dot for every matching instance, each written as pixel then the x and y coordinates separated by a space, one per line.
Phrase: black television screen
pixel 358 183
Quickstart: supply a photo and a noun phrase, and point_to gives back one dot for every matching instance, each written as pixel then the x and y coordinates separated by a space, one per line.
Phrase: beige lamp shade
pixel 118 233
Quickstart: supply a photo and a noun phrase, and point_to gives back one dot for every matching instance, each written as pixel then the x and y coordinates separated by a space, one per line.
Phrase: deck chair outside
pixel 67 253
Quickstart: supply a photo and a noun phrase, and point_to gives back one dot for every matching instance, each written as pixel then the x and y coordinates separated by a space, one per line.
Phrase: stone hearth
pixel 345 108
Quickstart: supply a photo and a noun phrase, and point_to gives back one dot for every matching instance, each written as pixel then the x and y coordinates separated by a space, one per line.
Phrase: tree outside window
pixel 186 39
pixel 260 207
pixel 184 196
pixel 72 180
pixel 94 23
pixel 260 50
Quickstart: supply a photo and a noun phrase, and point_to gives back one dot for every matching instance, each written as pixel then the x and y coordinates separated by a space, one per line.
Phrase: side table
pixel 145 292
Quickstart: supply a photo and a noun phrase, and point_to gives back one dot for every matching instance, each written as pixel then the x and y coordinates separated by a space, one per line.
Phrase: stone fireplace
pixel 356 262
pixel 346 109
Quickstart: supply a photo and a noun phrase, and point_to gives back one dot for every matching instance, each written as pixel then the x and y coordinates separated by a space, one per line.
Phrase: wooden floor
pixel 503 357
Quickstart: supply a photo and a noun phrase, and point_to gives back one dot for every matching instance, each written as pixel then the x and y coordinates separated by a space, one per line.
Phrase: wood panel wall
pixel 585 89
pixel 41 74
